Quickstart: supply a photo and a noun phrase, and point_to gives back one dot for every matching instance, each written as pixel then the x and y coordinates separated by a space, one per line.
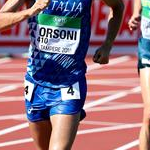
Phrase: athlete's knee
pixel 146 119
pixel 60 146
pixel 42 147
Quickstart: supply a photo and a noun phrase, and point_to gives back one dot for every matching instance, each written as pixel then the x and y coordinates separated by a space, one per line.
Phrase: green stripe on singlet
pixel 59 21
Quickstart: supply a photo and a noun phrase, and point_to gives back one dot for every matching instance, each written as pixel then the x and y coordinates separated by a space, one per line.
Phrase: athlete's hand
pixel 102 54
pixel 39 5
pixel 134 22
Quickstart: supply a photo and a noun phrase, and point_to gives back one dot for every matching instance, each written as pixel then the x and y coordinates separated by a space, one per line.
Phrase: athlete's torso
pixel 59 42
pixel 145 20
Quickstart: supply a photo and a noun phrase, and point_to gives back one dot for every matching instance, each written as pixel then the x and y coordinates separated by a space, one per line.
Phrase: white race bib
pixel 58 34
pixel 28 90
pixel 71 93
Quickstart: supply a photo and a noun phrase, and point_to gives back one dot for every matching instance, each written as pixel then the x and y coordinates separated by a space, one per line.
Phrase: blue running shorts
pixel 143 53
pixel 43 102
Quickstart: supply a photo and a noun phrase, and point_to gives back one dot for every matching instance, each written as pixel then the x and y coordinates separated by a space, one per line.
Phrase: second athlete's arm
pixel 136 16
pixel 9 19
pixel 116 6
pixel 12 5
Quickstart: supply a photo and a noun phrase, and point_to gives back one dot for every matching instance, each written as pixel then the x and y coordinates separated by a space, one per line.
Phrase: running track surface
pixel 113 105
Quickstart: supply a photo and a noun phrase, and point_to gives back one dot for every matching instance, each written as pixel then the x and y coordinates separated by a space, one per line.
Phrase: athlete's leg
pixel 64 129
pixel 145 130
pixel 41 132
pixel 38 116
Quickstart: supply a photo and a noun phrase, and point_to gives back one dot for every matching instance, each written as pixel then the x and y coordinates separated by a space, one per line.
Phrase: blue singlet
pixel 59 42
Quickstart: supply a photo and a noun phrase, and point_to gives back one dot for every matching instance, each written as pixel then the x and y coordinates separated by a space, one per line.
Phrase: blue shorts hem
pixel 82 115
pixel 36 120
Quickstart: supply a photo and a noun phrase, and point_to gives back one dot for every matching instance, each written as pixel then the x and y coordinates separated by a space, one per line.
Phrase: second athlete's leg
pixel 145 130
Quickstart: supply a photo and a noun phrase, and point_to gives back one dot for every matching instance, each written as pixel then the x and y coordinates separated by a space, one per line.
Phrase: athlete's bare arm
pixel 102 54
pixel 136 16
pixel 12 5
pixel 9 18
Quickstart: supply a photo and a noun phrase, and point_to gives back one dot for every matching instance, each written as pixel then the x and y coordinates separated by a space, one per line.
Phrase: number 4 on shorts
pixel 71 90
pixel 28 90
pixel 71 93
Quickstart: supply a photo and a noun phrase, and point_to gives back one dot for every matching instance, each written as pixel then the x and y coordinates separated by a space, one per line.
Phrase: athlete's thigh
pixel 144 68
pixel 145 84
pixel 38 115
pixel 41 132
pixel 64 130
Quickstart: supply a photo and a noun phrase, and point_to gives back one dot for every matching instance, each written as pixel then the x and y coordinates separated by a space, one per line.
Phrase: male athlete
pixel 55 84
pixel 141 16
